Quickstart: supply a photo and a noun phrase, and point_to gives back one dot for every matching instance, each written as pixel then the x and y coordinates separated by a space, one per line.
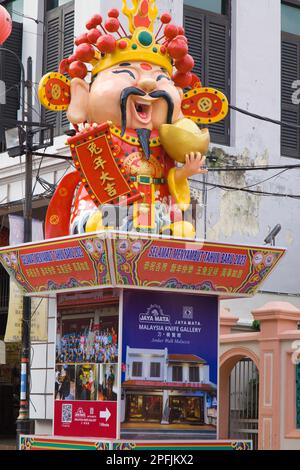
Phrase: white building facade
pixel 166 388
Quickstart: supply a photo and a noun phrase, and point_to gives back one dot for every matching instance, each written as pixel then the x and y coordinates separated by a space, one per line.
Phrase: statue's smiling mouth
pixel 143 111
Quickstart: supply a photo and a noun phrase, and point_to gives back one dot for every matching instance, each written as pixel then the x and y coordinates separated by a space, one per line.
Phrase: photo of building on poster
pixel 169 366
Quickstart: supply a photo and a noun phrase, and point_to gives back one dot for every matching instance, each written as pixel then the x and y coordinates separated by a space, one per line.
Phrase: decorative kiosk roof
pixel 115 259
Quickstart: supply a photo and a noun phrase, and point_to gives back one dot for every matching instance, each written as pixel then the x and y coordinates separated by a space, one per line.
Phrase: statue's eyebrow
pixel 124 71
pixel 125 64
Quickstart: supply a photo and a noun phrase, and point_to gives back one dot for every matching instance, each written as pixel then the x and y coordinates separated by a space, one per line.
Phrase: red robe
pixel 149 176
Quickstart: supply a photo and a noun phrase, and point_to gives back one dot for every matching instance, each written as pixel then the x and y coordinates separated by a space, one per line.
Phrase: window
pixel 52 4
pixel 216 6
pixel 15 8
pixel 177 374
pixel 290 19
pixel 290 73
pixel 194 375
pixel 137 369
pixel 155 369
pixel 10 71
pixel 207 26
pixel 59 44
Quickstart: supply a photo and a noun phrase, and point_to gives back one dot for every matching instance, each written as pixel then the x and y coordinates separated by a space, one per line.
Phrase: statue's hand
pixel 86 126
pixel 194 164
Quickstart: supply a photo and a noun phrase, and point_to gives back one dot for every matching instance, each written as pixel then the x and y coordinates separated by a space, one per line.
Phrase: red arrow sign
pixel 86 419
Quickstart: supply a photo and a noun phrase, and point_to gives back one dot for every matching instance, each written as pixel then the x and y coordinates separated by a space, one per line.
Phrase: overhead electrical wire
pixel 38 22
pixel 251 191
pixel 265 180
pixel 263 118
pixel 253 168
pixel 248 187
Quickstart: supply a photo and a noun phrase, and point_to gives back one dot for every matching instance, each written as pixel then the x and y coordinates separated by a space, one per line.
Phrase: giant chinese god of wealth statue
pixel 136 107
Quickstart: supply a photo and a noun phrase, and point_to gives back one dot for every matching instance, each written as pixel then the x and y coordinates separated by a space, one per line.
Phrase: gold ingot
pixel 182 138
pixel 181 229
pixel 94 221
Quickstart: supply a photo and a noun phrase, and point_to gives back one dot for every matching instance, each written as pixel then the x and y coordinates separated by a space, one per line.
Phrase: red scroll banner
pixel 98 161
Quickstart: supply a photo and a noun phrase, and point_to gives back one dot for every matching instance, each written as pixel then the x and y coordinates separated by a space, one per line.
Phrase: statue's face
pixel 133 95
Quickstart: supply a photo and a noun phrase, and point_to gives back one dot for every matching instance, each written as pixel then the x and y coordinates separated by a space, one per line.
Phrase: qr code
pixel 66 413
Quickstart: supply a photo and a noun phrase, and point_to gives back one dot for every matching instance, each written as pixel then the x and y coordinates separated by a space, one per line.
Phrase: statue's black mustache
pixel 127 92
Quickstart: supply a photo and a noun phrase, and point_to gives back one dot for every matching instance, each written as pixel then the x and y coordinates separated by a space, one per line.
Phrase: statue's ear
pixel 78 108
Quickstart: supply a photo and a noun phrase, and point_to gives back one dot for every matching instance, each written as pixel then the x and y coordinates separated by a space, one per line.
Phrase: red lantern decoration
pixel 182 80
pixel 112 25
pixel 186 64
pixel 171 31
pixel 166 18
pixel 107 44
pixel 85 53
pixel 178 49
pixel 78 70
pixel 5 25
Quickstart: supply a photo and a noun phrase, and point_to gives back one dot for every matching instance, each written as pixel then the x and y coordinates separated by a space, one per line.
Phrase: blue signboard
pixel 169 365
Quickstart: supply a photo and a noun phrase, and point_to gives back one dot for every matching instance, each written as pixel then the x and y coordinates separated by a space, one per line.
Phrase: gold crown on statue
pixel 106 44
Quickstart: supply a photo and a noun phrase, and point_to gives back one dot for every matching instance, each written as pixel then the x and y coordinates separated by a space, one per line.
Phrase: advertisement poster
pixel 169 366
pixel 86 375
pixel 39 316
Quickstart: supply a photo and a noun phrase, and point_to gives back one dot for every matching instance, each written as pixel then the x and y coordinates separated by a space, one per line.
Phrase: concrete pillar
pixel 275 318
pixel 253 56
pixel 227 321
pixel 165 414
pixel 206 419
pixel 33 42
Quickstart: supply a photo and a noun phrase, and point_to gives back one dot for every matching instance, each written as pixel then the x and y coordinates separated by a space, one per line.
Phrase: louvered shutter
pixel 209 44
pixel 68 44
pixel 290 71
pixel 52 55
pixel 10 74
pixel 59 43
pixel 217 68
pixel 194 29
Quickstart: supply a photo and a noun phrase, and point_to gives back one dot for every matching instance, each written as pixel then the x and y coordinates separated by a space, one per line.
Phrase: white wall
pixel 43 371
pixel 33 42
pixel 83 13
pixel 204 374
pixel 146 358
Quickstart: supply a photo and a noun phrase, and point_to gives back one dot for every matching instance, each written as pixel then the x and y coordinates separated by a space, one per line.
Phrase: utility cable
pixel 261 193
pixel 263 118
